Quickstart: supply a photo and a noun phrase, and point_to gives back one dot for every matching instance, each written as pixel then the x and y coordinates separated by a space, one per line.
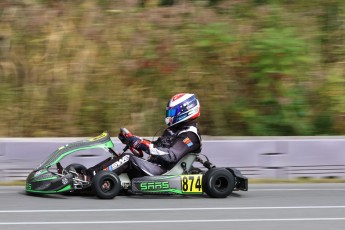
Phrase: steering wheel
pixel 128 134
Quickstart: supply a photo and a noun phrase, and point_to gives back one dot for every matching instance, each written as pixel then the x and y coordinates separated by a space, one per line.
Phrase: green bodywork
pixel 41 180
pixel 168 184
pixel 101 141
pixel 65 189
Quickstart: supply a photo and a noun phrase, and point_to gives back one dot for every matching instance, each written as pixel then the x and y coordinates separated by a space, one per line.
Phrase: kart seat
pixel 178 168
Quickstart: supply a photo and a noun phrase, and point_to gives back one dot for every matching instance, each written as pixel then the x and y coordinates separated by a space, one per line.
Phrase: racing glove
pixel 137 144
pixel 124 136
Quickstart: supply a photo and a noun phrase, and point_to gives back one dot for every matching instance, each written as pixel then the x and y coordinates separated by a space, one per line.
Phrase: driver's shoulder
pixel 191 135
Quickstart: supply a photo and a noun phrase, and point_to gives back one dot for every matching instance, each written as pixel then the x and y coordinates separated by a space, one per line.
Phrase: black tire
pixel 106 185
pixel 218 182
pixel 78 167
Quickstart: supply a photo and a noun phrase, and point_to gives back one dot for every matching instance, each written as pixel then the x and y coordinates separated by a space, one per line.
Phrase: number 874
pixel 191 183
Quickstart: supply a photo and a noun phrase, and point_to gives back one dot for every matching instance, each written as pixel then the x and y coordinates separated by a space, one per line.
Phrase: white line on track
pixel 169 221
pixel 170 209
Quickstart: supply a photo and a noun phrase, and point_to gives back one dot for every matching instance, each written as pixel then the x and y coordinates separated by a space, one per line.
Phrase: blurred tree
pixel 333 92
pixel 332 32
pixel 275 102
pixel 167 2
pixel 259 67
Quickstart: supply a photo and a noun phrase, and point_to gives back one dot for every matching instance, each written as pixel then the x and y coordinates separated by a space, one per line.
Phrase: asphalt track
pixel 263 207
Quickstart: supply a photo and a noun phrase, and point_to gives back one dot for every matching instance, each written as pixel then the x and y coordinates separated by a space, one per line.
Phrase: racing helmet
pixel 182 107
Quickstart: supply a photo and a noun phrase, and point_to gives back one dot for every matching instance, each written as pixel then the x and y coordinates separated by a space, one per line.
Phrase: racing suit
pixel 165 152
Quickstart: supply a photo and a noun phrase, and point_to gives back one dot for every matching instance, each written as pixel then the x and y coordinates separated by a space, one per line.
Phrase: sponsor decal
pixel 62 147
pixel 118 163
pixel 157 185
pixel 136 143
pixel 190 106
pixel 188 142
pixel 183 116
pixel 125 185
pixel 98 137
pixel 191 102
pixel 194 110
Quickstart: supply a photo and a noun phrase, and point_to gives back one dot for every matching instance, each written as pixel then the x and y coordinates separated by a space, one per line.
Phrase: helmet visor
pixel 172 112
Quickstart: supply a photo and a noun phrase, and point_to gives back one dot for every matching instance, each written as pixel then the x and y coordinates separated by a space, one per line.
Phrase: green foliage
pixel 212 38
pixel 277 52
pixel 275 102
pixel 331 22
pixel 214 2
pixel 166 2
pixel 259 67
pixel 334 102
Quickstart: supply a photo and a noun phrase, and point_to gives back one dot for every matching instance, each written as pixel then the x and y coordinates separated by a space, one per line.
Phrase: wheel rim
pixel 107 185
pixel 221 183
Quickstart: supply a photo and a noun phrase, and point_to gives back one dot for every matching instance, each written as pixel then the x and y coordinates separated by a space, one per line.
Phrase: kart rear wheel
pixel 218 182
pixel 106 185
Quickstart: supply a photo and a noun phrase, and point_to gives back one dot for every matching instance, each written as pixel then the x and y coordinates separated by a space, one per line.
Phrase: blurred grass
pixel 76 68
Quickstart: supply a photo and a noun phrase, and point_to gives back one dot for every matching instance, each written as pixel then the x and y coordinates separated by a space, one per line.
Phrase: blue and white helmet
pixel 182 107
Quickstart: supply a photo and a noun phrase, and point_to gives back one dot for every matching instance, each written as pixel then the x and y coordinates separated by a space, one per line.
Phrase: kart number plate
pixel 191 183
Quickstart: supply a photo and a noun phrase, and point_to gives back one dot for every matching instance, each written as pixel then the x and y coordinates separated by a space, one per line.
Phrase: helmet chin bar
pixel 167 120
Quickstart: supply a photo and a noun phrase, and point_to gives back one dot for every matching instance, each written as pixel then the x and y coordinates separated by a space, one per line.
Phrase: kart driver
pixel 180 138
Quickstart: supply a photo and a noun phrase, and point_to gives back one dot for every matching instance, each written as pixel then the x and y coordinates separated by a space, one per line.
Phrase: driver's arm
pixel 185 143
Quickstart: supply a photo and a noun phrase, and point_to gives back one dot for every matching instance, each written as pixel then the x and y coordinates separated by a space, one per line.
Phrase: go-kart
pixel 184 178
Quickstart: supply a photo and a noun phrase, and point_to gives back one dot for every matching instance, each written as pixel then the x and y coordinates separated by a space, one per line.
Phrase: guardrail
pixel 275 158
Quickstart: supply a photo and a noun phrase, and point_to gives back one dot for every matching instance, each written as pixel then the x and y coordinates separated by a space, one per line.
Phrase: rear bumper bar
pixel 241 181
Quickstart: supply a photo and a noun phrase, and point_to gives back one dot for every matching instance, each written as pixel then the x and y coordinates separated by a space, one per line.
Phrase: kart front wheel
pixel 106 185
pixel 79 168
pixel 218 182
